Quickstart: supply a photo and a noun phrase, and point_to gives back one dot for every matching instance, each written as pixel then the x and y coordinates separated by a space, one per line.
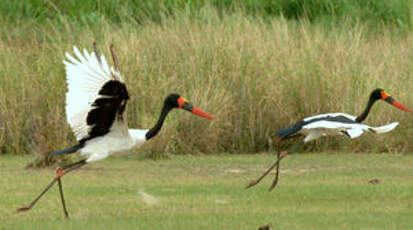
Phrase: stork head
pixel 383 95
pixel 176 101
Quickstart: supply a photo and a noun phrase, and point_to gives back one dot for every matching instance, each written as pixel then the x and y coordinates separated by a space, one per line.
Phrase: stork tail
pixel 290 131
pixel 66 151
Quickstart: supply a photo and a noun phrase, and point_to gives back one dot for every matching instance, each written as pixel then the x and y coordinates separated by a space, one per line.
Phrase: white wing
pixel 353 130
pixel 85 77
pixel 353 133
pixel 339 126
pixel 313 135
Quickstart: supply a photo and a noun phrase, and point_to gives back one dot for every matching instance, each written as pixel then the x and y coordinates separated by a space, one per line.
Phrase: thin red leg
pixel 281 156
pixel 276 163
pixel 59 173
pixel 277 169
pixel 28 207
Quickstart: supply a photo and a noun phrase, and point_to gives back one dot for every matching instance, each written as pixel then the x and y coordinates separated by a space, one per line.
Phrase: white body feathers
pixel 101 147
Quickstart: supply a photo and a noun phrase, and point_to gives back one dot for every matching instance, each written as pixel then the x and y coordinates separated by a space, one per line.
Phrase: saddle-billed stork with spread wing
pixel 95 109
pixel 328 125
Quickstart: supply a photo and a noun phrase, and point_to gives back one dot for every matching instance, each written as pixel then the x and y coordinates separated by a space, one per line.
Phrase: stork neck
pixel 366 111
pixel 157 127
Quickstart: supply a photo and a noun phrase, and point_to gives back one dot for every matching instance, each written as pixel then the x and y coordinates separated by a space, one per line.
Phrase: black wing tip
pixel 284 133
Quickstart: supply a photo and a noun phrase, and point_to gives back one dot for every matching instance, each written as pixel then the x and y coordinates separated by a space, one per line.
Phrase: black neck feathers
pixel 157 127
pixel 375 95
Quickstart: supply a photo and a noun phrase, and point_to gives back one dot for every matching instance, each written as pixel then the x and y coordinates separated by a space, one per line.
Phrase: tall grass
pixel 254 75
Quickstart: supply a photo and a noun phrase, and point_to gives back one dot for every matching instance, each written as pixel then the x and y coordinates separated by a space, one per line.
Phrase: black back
pixel 109 106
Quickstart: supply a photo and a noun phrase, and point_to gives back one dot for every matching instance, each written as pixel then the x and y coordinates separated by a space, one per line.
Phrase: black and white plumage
pixel 331 124
pixel 95 108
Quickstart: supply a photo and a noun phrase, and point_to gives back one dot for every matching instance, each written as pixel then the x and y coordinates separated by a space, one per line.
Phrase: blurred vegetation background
pixel 258 66
pixel 376 13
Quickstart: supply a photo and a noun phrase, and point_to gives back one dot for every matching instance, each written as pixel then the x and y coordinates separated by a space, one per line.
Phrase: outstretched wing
pixel 318 122
pixel 96 96
pixel 335 123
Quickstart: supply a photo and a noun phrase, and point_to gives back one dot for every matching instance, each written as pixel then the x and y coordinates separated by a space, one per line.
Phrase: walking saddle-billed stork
pixel 95 109
pixel 330 124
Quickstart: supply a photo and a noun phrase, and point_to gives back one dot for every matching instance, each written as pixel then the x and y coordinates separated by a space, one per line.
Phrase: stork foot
pixel 252 183
pixel 274 183
pixel 24 208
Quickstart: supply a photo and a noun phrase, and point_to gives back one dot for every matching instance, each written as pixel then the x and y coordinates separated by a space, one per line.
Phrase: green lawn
pixel 316 191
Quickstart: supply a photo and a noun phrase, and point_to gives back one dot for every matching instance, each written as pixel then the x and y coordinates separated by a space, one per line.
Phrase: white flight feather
pixel 85 76
pixel 315 134
pixel 353 133
pixel 385 128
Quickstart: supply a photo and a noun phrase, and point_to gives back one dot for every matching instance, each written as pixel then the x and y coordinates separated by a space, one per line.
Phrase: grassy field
pixel 257 66
pixel 316 191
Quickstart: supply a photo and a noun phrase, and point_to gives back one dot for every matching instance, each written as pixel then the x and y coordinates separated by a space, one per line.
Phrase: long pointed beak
pixel 396 104
pixel 197 111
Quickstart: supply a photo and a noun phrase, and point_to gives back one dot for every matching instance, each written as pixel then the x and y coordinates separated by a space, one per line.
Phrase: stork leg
pixel 280 157
pixel 63 171
pixel 59 181
pixel 28 207
pixel 276 164
pixel 59 173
